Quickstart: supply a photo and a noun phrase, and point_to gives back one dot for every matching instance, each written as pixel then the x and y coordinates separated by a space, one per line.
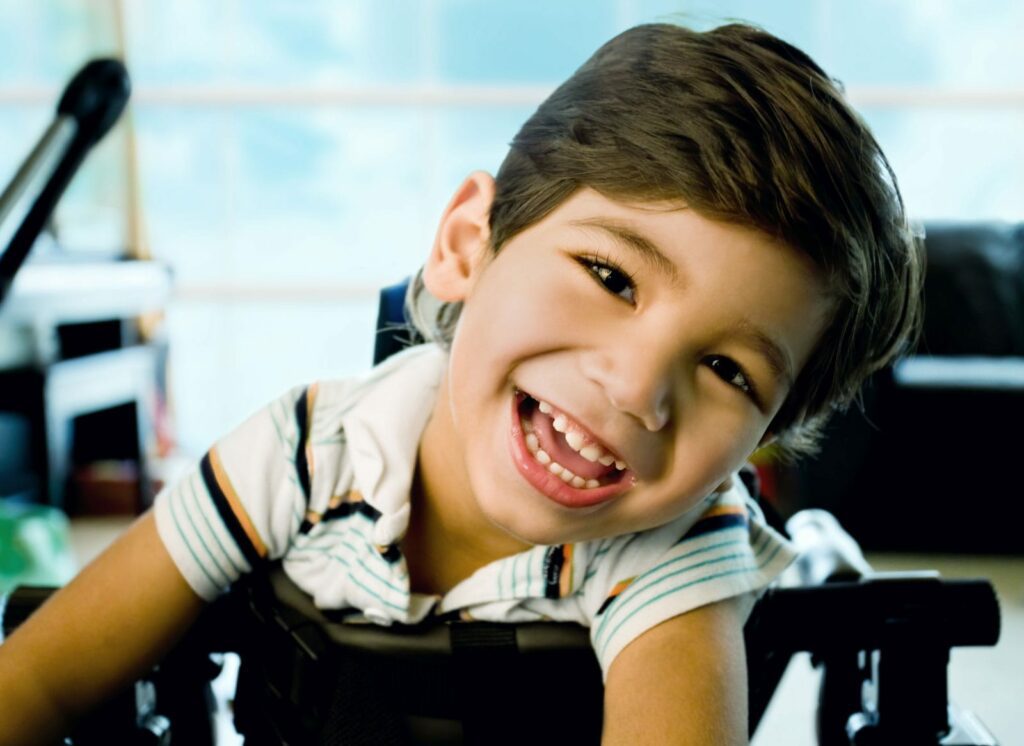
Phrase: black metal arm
pixel 88 108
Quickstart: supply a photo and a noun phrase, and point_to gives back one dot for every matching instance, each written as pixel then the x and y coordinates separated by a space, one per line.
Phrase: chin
pixel 528 532
pixel 537 530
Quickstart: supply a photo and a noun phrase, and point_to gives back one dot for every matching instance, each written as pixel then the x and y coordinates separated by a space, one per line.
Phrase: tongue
pixel 554 443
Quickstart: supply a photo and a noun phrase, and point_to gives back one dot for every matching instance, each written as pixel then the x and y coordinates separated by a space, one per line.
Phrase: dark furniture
pixel 932 463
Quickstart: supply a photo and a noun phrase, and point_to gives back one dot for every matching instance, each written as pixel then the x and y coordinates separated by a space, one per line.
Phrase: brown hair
pixel 747 129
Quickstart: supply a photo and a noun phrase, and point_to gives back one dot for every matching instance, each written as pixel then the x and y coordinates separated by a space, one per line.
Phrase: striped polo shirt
pixel 321 478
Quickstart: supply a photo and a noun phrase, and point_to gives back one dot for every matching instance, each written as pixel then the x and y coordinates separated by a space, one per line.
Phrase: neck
pixel 448 538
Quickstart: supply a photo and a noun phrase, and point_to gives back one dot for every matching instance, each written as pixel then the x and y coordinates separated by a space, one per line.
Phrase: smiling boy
pixel 694 247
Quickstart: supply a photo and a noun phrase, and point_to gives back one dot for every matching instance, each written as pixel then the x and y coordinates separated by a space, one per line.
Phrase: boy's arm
pixel 682 682
pixel 106 628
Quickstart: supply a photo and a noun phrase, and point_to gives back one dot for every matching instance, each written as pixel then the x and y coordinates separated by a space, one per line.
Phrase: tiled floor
pixel 987 681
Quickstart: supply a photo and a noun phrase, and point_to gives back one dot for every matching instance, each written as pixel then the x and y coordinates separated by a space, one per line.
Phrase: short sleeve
pixel 244 501
pixel 728 551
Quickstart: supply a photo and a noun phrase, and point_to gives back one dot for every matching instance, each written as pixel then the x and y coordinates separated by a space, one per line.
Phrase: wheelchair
pixel 308 676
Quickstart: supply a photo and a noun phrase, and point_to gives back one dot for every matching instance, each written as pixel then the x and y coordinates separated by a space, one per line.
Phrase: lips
pixel 612 484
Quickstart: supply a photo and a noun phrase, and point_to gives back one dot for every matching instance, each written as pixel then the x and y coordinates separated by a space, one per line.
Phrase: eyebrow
pixel 778 359
pixel 644 247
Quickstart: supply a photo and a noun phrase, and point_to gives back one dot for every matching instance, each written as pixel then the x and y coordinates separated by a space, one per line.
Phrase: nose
pixel 637 379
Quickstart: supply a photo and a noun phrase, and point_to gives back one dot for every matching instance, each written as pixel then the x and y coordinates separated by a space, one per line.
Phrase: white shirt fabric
pixel 321 479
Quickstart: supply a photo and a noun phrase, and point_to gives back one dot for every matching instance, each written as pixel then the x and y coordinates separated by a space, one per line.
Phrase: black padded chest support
pixel 318 679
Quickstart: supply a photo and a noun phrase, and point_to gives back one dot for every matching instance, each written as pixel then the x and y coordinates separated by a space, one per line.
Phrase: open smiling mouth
pixel 560 459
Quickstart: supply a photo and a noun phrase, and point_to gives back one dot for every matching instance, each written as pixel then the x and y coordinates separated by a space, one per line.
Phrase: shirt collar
pixel 383 427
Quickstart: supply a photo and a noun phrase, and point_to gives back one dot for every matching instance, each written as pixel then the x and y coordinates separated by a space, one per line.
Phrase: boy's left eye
pixel 730 371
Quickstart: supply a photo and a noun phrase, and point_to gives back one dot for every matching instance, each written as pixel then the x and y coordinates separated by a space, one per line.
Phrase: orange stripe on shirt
pixel 724 510
pixel 565 577
pixel 236 504
pixel 310 402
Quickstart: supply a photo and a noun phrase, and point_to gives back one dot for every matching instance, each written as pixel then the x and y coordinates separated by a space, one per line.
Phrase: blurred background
pixel 288 159
pixel 280 162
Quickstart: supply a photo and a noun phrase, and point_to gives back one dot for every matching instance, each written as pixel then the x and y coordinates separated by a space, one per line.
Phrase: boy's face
pixel 669 339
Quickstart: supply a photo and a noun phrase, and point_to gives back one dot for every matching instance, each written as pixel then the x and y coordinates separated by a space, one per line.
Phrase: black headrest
pixel 974 289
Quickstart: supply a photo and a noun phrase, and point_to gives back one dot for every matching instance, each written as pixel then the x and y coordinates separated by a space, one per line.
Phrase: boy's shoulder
pixel 723 548
pixel 415 367
pixel 728 510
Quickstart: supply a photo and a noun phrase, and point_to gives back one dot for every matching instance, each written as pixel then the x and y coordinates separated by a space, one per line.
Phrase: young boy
pixel 693 248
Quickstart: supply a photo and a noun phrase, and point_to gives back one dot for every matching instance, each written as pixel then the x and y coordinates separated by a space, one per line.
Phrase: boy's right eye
pixel 611 278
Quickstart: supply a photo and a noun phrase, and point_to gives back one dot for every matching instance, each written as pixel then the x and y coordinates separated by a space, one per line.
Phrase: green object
pixel 35 546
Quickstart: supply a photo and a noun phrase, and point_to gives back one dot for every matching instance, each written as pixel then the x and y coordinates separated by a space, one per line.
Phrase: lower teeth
pixel 541 457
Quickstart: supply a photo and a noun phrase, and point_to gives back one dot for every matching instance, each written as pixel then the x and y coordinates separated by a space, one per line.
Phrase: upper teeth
pixel 592 451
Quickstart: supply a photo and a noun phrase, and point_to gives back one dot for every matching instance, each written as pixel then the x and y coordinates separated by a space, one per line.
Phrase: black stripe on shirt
pixel 606 604
pixel 227 515
pixel 344 510
pixel 715 523
pixel 341 511
pixel 554 558
pixel 391 553
pixel 301 464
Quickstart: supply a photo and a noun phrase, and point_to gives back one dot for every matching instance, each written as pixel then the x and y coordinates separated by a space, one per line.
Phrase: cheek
pixel 719 450
pixel 513 312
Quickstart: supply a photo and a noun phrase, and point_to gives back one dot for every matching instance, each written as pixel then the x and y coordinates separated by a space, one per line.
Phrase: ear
pixel 462 241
